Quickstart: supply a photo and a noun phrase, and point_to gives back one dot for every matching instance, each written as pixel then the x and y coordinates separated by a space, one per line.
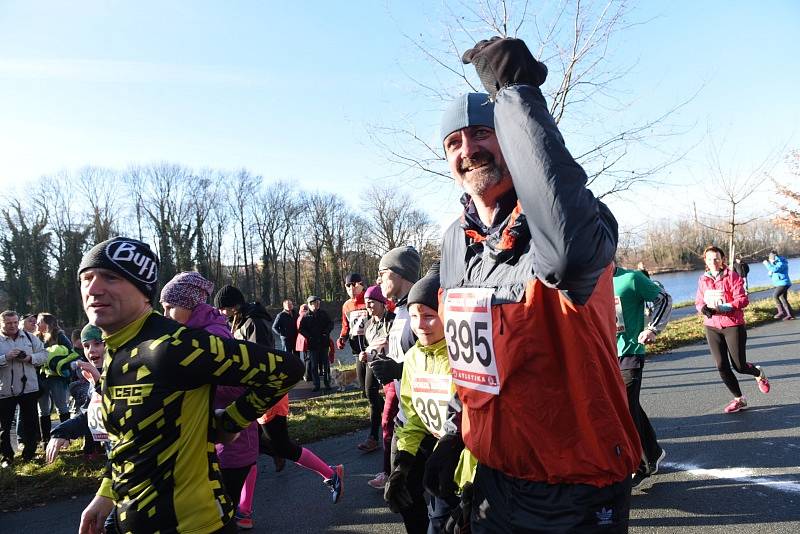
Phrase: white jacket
pixel 18 377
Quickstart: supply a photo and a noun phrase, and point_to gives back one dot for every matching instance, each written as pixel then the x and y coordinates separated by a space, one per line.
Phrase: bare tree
pixel 245 185
pixel 574 38
pixel 393 220
pixel 733 187
pixel 789 217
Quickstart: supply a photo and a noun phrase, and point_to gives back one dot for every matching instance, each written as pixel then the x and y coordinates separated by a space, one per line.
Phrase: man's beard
pixel 481 180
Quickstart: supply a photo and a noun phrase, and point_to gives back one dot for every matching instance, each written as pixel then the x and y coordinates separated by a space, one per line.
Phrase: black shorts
pixel 504 504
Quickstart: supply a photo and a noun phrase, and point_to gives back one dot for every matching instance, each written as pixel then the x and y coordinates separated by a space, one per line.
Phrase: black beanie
pixel 130 258
pixel 426 291
pixel 228 297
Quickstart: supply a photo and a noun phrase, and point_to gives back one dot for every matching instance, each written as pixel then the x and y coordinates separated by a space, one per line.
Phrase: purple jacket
pixel 244 450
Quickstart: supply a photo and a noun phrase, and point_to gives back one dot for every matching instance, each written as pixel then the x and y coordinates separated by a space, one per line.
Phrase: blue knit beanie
pixel 470 109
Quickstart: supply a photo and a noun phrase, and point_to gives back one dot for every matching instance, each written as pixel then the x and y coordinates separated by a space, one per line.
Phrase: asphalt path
pixel 724 473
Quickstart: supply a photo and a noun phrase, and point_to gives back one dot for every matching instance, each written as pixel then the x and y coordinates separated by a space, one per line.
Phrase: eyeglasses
pixel 352 284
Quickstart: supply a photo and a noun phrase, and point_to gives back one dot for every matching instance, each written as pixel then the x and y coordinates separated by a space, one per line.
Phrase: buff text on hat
pixel 132 259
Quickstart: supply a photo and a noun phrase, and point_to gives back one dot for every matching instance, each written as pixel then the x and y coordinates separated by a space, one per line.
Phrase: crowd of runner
pixel 503 383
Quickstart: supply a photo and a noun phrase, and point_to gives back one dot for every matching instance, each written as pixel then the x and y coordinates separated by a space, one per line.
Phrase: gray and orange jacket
pixel 561 415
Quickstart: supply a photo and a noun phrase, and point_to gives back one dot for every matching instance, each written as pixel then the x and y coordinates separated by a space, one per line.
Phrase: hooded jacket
pixel 779 271
pixel 243 451
pixel 256 325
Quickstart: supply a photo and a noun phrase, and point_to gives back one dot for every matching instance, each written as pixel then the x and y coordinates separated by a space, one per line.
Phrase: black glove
pixel 441 466
pixel 507 61
pixel 708 312
pixel 386 370
pixel 396 493
pixel 459 520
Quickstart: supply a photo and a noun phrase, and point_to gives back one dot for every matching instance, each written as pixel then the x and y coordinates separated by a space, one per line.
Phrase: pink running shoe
pixel 379 482
pixel 736 404
pixel 762 381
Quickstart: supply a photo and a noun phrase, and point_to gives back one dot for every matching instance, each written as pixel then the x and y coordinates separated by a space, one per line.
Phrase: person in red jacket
pixel 722 299
pixel 528 309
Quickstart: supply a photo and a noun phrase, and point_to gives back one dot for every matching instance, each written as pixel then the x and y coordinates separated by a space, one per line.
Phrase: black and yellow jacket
pixel 158 387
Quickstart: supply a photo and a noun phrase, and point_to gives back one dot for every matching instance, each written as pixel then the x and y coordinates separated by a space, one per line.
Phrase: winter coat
pixel 301 344
pixel 728 287
pixel 256 326
pixel 18 377
pixel 779 271
pixel 285 325
pixel 538 377
pixel 316 327
pixel 243 451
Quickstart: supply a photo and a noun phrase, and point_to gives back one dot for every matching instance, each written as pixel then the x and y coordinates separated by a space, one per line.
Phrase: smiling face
pixel 475 160
pixel 109 300
pixel 375 308
pixel 426 324
pixel 94 351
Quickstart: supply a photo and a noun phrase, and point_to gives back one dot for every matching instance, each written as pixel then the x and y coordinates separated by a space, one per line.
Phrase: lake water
pixel 683 286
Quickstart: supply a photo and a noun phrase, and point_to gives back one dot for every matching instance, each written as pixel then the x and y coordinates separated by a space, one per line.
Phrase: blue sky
pixel 293 90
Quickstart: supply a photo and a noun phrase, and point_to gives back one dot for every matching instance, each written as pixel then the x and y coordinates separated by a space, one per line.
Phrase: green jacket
pixel 425 391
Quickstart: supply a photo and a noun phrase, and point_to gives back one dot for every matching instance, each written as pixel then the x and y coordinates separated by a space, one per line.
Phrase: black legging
pixel 275 440
pixel 725 342
pixel 234 478
pixel 371 390
pixel 784 308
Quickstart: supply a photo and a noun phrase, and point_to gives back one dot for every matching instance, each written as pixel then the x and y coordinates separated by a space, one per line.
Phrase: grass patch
pixel 690 329
pixel 33 484
pixel 330 415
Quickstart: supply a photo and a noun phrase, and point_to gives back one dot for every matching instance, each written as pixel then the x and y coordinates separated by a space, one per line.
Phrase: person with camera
pixel 20 354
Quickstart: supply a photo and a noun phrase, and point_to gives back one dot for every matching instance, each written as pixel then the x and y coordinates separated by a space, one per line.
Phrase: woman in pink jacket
pixel 722 299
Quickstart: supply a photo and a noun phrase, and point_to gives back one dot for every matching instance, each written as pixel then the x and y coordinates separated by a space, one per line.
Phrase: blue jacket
pixel 779 271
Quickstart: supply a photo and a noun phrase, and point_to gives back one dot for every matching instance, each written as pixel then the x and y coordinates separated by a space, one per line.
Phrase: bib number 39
pixel 468 331
pixel 94 415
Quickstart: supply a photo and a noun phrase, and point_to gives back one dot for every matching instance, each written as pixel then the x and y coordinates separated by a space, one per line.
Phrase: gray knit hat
pixel 403 261
pixel 426 291
pixel 130 258
pixel 470 109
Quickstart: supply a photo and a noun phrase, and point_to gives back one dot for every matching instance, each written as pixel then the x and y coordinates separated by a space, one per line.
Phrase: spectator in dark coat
pixel 285 325
pixel 316 326
pixel 250 322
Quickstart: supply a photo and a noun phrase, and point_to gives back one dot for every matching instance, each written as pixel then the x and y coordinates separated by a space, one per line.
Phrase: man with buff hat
pixel 528 312
pixel 157 390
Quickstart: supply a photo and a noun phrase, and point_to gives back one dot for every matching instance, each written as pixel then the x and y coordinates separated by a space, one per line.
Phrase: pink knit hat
pixel 187 289
pixel 375 293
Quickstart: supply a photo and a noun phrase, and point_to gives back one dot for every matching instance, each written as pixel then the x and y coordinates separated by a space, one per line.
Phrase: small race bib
pixel 358 322
pixel 395 349
pixel 620 316
pixel 713 297
pixel 95 416
pixel 430 395
pixel 468 331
